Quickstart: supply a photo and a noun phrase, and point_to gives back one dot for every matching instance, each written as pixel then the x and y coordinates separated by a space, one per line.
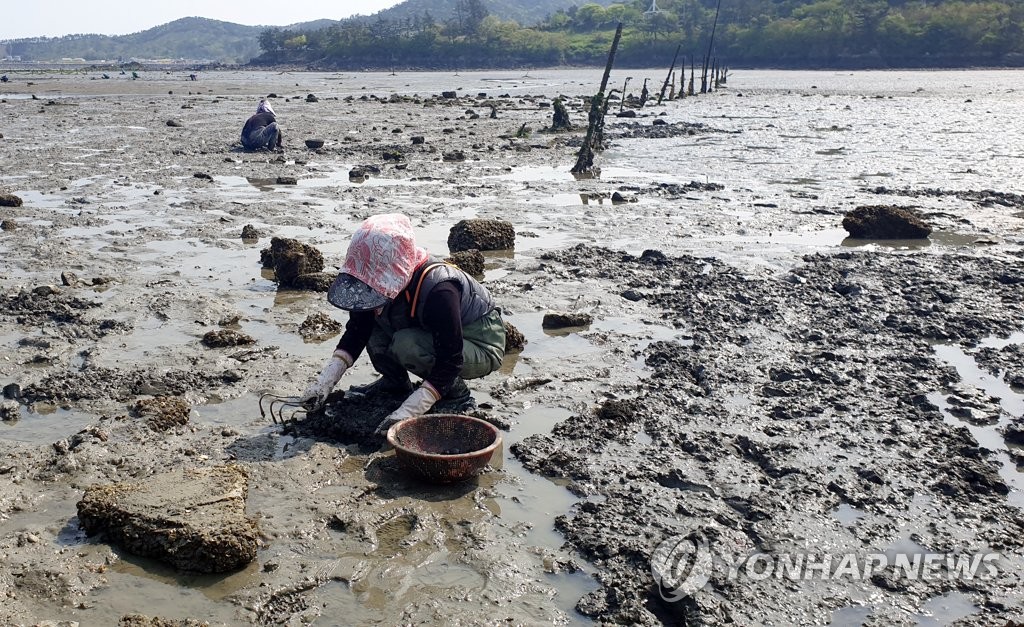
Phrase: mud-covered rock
pixel 289 265
pixel 313 281
pixel 481 235
pixel 885 222
pixel 1014 432
pixel 562 320
pixel 162 413
pixel 290 259
pixel 221 338
pixel 560 117
pixel 193 519
pixel 281 245
pixel 515 341
pixel 470 261
pixel 12 391
pixel 319 326
pixel 250 232
pixel 10 410
pixel 10 200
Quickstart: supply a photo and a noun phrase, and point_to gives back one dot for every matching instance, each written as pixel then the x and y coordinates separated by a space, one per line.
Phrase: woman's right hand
pixel 316 394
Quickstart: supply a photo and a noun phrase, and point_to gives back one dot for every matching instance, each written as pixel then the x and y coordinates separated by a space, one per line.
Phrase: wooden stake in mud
pixel 664 85
pixel 622 101
pixel 585 158
pixel 711 45
pixel 693 73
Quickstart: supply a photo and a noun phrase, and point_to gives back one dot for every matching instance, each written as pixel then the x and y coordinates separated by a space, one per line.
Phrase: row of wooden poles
pixel 713 75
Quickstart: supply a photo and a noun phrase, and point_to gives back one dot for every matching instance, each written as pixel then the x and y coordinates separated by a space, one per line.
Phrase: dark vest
pixel 475 301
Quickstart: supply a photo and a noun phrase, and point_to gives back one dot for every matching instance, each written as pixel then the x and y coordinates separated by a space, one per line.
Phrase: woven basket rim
pixel 392 437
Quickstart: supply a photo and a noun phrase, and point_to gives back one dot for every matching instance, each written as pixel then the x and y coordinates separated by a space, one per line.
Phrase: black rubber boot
pixel 384 386
pixel 458 393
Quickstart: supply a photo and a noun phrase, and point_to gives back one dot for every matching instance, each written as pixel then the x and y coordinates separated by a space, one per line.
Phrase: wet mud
pixel 790 396
pixel 733 369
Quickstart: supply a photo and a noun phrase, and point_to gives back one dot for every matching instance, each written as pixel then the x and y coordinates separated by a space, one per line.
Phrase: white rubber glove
pixel 422 399
pixel 316 394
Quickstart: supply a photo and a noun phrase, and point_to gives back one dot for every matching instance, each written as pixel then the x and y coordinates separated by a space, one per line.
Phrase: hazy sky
pixel 53 18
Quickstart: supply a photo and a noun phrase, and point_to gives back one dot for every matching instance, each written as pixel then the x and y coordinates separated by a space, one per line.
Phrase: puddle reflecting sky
pixel 988 436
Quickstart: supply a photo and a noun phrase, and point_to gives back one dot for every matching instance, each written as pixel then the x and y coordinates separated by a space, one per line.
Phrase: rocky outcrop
pixel 9 200
pixel 319 326
pixel 192 519
pixel 223 338
pixel 291 259
pixel 515 341
pixel 561 320
pixel 482 235
pixel 469 261
pixel 885 222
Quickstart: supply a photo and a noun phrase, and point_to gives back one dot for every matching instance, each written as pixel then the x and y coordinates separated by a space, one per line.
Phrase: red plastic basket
pixel 444 448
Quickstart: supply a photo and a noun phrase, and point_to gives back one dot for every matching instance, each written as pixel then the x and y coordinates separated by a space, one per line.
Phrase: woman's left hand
pixel 421 400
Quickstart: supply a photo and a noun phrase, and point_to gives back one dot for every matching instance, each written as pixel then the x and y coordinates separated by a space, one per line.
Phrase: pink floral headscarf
pixel 264 107
pixel 383 253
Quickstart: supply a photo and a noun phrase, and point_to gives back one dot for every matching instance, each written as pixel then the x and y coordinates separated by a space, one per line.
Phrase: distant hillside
pixel 198 39
pixel 192 38
pixel 752 33
pixel 525 12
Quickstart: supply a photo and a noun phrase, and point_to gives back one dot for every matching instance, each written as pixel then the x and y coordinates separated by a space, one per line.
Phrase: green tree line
pixel 750 33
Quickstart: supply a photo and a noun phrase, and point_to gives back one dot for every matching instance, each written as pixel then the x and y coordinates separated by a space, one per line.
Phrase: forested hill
pixel 747 33
pixel 199 39
pixel 524 12
pixel 193 38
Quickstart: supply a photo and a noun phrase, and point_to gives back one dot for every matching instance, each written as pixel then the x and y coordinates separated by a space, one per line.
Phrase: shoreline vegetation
pixel 799 35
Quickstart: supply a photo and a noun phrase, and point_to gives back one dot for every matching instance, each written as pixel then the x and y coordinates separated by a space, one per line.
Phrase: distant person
pixel 260 131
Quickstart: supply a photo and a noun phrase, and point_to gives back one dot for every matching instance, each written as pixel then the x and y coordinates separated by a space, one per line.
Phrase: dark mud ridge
pixel 982 197
pixel 658 129
pixel 790 397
